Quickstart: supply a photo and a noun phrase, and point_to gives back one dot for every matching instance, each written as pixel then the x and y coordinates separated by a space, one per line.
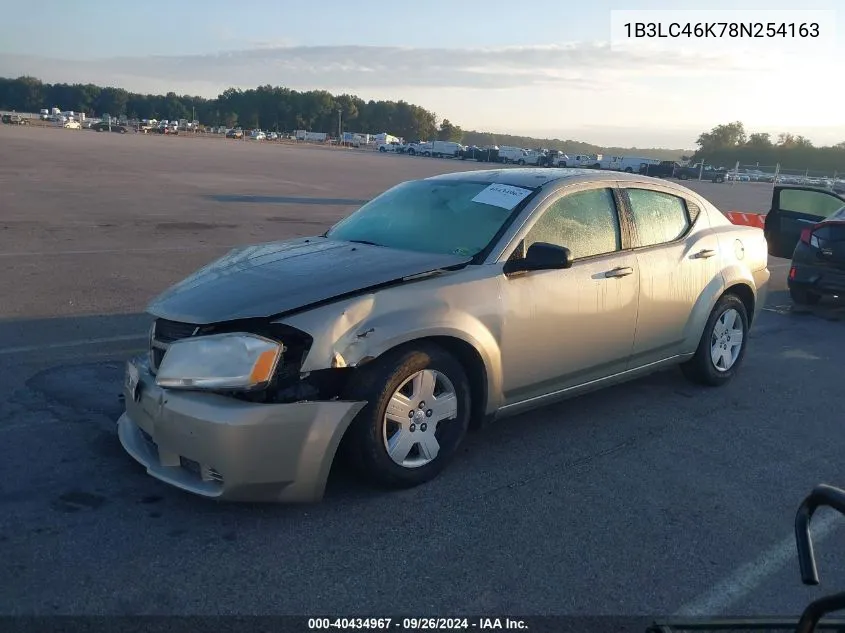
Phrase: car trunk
pixel 830 240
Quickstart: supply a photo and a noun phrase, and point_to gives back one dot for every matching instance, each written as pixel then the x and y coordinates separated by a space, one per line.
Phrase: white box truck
pixel 444 149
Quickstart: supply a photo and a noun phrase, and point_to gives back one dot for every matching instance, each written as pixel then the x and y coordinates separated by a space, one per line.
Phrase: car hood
pixel 270 279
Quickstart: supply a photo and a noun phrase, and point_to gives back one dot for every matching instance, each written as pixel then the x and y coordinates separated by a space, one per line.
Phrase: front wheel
pixel 722 347
pixel 521 162
pixel 416 416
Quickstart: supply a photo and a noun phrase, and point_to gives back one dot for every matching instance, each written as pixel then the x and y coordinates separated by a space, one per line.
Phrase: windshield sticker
pixel 504 196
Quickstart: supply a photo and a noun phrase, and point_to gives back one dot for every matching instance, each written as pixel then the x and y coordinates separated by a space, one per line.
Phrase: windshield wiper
pixel 364 242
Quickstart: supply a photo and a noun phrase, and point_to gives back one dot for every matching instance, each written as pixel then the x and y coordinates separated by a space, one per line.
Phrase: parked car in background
pixel 481 154
pixel 385 338
pixel 72 125
pixel 696 172
pixel 808 225
pixel 235 133
pixel 105 126
pixel 14 119
pixel 663 169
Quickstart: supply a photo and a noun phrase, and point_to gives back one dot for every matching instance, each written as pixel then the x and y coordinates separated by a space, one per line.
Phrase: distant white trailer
pixel 510 154
pixel 628 164
pixel 443 149
pixel 302 135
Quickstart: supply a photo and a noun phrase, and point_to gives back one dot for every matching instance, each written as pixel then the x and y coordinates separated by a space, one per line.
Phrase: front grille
pixel 164 333
pixel 170 331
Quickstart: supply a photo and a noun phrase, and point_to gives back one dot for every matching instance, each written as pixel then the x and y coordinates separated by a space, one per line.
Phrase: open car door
pixel 795 208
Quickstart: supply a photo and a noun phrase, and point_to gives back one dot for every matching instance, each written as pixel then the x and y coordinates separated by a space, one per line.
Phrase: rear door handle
pixel 622 271
pixel 704 253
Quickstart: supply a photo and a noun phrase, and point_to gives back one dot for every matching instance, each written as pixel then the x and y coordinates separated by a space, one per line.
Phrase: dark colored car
pixel 697 173
pixel 664 169
pixel 481 154
pixel 808 223
pixel 103 126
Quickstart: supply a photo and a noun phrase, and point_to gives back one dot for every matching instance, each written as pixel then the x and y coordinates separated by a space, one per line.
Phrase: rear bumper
pixel 823 280
pixel 227 449
pixel 761 283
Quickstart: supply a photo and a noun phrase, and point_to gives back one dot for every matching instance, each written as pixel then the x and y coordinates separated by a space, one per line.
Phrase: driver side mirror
pixel 541 256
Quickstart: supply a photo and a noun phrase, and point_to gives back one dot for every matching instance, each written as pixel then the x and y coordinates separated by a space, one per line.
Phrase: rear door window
pixel 659 217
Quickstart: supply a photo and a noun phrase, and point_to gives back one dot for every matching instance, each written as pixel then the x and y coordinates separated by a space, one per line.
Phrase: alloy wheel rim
pixel 412 425
pixel 727 340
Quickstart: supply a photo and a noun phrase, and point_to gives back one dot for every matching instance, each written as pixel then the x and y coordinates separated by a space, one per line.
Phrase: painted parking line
pixel 749 577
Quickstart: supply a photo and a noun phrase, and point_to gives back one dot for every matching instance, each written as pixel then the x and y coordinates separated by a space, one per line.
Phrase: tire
pixel 628 170
pixel 562 163
pixel 365 443
pixel 411 152
pixel 803 297
pixel 521 162
pixel 719 179
pixel 381 149
pixel 683 176
pixel 701 368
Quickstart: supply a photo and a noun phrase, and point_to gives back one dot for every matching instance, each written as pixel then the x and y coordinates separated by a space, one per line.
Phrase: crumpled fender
pixel 351 332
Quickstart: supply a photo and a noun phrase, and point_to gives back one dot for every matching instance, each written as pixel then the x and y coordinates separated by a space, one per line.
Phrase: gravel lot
pixel 649 498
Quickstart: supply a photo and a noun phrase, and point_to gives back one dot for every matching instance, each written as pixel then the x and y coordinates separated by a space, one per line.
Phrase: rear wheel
pixel 417 415
pixel 722 347
pixel 803 297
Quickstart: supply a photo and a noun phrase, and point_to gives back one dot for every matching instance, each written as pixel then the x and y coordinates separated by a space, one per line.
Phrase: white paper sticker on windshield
pixel 504 196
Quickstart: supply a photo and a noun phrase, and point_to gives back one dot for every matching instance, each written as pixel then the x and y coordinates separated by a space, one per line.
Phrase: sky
pixel 546 68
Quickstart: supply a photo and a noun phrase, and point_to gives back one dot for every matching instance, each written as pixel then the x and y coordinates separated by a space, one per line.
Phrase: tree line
pixel 282 109
pixel 278 108
pixel 265 107
pixel 728 143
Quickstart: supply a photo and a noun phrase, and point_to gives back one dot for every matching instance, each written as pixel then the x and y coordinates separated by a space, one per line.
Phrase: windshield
pixel 434 216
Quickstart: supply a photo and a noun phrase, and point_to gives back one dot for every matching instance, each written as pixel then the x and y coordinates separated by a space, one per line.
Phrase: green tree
pixel 449 132
pixel 759 140
pixel 722 136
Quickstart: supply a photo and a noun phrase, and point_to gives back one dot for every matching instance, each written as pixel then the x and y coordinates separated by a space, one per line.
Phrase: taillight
pixel 806 234
pixel 792 273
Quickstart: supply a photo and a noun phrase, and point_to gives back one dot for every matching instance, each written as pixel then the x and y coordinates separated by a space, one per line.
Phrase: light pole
pixel 340 126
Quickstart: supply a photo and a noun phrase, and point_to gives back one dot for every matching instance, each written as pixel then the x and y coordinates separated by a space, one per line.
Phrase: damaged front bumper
pixel 228 449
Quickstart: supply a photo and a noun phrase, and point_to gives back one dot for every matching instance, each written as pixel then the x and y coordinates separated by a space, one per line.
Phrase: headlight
pixel 221 361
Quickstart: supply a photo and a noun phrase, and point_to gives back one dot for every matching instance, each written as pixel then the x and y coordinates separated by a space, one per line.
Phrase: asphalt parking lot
pixel 655 497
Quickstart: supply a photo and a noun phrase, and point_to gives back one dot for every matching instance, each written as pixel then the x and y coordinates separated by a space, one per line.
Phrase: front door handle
pixel 622 271
pixel 704 253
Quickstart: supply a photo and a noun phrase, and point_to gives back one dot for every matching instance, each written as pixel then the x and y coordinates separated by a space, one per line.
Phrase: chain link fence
pixel 786 175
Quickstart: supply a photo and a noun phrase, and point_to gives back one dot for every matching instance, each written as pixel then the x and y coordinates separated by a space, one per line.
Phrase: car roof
pixel 542 176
